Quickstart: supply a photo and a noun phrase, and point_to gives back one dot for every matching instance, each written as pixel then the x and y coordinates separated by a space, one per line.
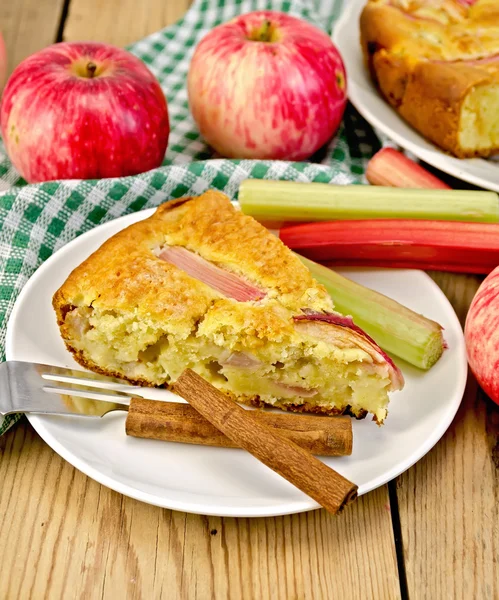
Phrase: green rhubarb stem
pixel 396 328
pixel 282 201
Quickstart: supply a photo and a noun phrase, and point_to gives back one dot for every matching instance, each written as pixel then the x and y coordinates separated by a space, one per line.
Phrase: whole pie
pixel 437 63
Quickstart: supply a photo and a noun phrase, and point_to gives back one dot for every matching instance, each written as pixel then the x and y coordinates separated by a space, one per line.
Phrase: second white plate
pixel 227 482
pixel 367 100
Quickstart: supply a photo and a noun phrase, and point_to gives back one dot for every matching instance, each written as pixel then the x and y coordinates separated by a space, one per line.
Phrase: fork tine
pixel 22 386
pixel 52 370
pixel 90 394
pixel 75 378
pixel 22 390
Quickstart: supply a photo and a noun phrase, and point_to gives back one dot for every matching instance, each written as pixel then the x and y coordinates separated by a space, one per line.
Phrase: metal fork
pixel 45 389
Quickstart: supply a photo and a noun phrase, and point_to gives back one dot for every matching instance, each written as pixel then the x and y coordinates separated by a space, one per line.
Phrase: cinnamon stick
pixel 327 487
pixel 175 422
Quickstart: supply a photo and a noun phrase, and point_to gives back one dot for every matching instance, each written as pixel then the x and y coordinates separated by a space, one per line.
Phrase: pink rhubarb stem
pixel 443 245
pixel 391 168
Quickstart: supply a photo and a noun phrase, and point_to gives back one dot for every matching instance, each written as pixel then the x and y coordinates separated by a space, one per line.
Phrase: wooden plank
pixel 66 536
pixel 449 501
pixel 28 26
pixel 120 22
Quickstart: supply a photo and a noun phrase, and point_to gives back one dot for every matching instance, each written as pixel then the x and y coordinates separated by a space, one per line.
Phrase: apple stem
pixel 264 32
pixel 91 68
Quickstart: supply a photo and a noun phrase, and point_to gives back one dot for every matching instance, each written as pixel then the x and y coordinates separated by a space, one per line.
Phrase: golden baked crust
pixel 437 63
pixel 128 312
pixel 125 274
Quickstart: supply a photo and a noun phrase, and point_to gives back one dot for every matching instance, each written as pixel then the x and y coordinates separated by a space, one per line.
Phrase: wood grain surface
pixel 449 501
pixel 66 536
pixel 28 26
pixel 63 535
pixel 120 22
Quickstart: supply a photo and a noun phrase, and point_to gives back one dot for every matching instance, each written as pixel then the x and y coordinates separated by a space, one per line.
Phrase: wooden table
pixel 431 534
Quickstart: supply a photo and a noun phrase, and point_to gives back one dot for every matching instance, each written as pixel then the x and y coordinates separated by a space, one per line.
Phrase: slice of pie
pixel 201 285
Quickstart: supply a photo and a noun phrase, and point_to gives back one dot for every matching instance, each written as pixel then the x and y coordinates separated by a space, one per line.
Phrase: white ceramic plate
pixel 367 100
pixel 229 482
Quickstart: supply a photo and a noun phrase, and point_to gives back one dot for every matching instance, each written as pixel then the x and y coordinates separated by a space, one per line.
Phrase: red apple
pixel 482 335
pixel 83 111
pixel 267 85
pixel 3 62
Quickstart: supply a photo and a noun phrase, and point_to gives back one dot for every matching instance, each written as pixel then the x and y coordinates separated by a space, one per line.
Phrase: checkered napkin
pixel 36 220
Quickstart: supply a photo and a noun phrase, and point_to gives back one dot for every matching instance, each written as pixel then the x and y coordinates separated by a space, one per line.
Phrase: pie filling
pixel 479 124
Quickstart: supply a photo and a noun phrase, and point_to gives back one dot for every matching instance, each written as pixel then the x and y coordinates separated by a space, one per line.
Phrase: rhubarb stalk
pixel 291 201
pixel 391 168
pixel 396 328
pixel 445 246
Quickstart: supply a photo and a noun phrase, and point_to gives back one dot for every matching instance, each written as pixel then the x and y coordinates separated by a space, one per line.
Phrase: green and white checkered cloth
pixel 36 220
